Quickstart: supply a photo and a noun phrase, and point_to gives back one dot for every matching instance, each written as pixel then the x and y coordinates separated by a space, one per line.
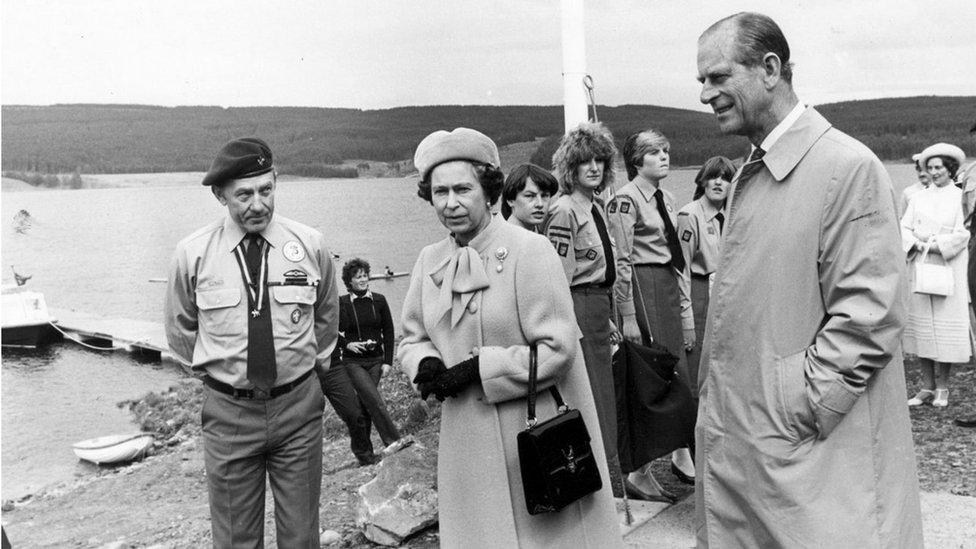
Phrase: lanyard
pixel 255 291
pixel 355 315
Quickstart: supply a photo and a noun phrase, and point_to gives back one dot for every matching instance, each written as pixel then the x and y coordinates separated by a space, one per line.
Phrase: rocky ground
pixel 162 501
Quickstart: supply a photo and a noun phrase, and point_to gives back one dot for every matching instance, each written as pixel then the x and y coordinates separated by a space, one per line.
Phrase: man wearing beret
pixel 252 305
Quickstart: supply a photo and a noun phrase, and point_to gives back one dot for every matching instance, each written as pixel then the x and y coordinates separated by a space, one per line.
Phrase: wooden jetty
pixel 139 337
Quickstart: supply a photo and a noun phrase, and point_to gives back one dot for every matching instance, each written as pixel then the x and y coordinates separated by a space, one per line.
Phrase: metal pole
pixel 574 64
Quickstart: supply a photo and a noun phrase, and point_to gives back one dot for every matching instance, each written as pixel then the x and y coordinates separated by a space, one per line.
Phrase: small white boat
pixel 386 275
pixel 25 320
pixel 113 448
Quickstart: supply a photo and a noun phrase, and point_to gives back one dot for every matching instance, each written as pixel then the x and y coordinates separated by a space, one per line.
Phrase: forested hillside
pixel 313 141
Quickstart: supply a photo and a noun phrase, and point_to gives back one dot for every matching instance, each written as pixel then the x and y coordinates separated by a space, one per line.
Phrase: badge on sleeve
pixel 612 208
pixel 562 248
pixel 686 236
pixel 293 251
pixel 624 207
pixel 591 254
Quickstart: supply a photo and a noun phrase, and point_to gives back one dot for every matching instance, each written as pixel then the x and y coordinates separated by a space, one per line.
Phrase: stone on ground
pixel 402 499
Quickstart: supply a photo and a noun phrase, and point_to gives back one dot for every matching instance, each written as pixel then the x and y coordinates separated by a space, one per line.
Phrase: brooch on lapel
pixel 500 255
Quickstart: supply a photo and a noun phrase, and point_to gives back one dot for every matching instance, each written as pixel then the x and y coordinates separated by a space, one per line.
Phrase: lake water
pixel 95 250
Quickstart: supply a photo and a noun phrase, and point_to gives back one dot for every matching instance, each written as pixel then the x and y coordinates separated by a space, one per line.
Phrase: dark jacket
pixel 371 319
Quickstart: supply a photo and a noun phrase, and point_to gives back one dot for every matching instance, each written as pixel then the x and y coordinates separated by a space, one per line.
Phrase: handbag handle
pixel 530 420
pixel 925 250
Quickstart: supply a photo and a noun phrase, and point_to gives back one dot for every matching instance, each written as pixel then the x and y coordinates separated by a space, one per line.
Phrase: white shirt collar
pixel 781 128
pixel 369 294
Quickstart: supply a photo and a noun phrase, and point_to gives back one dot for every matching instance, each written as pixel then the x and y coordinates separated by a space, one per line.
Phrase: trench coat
pixel 524 297
pixel 803 436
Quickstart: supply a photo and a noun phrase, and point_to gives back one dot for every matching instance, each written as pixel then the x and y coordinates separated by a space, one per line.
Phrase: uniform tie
pixel 677 257
pixel 261 367
pixel 601 227
pixel 720 217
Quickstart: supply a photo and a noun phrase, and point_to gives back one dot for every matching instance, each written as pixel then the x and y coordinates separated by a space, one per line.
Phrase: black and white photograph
pixel 548 273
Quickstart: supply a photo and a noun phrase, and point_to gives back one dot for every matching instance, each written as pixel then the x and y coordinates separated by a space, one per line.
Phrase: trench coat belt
pixel 254 394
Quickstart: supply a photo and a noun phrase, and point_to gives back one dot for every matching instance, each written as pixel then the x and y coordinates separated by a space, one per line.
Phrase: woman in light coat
pixel 477 300
pixel 938 326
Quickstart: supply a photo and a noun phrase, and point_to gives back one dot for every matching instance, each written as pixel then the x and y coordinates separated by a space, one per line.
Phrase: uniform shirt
pixel 573 233
pixel 207 303
pixel 641 240
pixel 700 234
pixel 966 178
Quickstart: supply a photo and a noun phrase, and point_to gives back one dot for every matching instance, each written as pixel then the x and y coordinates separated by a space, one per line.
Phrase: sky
pixel 386 53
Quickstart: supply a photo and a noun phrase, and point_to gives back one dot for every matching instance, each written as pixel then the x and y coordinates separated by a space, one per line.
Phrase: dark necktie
pixel 601 227
pixel 752 165
pixel 677 257
pixel 261 367
pixel 721 221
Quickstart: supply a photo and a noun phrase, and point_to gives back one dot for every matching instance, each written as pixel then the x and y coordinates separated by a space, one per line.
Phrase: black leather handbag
pixel 557 462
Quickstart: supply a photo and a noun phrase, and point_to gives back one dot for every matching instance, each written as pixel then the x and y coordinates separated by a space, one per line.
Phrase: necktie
pixel 721 221
pixel 752 165
pixel 677 257
pixel 261 367
pixel 601 227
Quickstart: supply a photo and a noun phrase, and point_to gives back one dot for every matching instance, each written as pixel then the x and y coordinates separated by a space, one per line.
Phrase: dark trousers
pixel 246 443
pixel 352 391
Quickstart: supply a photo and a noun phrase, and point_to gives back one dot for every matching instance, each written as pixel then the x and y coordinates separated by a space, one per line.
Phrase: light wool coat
pixel 803 433
pixel 938 326
pixel 481 502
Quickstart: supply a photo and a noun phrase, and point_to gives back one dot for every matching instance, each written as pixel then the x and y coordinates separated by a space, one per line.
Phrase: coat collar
pixel 793 145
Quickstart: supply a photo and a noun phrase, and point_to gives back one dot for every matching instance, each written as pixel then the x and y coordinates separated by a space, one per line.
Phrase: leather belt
pixel 598 289
pixel 254 394
pixel 701 276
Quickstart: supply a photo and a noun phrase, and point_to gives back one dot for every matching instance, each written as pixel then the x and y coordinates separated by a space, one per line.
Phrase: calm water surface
pixel 95 251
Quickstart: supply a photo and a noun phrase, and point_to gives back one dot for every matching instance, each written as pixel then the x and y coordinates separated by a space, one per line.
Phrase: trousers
pixel 249 442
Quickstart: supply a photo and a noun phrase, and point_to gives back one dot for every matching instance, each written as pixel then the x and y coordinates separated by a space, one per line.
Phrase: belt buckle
pixel 261 394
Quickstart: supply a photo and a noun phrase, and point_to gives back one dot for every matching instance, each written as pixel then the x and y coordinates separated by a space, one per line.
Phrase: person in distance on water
pixel 526 194
pixel 252 305
pixel 803 438
pixel 478 299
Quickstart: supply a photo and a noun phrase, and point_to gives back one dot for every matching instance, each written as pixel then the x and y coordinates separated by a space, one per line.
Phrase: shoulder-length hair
pixel 588 141
pixel 517 178
pixel 351 267
pixel 716 166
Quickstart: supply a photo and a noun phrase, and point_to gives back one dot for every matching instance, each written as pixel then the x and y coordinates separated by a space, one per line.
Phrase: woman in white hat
pixel 933 232
pixel 478 300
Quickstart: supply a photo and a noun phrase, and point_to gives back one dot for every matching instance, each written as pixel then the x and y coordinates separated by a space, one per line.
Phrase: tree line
pixel 326 142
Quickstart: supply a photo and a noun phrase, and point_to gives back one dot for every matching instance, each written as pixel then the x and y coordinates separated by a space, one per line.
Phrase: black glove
pixel 428 370
pixel 453 380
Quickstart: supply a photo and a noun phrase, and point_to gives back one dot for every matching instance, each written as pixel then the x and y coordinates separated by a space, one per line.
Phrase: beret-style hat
pixel 460 144
pixel 941 149
pixel 240 158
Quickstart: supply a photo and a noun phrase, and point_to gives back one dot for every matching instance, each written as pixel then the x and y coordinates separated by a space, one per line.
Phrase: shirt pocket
pixel 294 306
pixel 219 311
pixel 587 244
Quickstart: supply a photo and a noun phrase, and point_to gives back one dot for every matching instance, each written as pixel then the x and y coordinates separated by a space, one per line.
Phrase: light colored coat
pixel 481 502
pixel 938 327
pixel 803 433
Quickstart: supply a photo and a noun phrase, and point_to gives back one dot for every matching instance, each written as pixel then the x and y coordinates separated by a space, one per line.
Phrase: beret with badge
pixel 459 144
pixel 240 158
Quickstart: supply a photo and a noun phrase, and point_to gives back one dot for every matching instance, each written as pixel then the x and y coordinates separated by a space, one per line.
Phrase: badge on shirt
pixel 591 254
pixel 296 316
pixel 293 251
pixel 562 248
pixel 624 207
pixel 711 230
pixel 668 206
pixel 686 236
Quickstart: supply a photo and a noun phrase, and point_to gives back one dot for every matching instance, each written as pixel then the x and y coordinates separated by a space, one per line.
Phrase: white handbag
pixel 930 278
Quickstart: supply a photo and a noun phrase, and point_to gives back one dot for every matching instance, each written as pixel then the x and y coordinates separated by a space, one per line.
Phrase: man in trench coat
pixel 803 437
